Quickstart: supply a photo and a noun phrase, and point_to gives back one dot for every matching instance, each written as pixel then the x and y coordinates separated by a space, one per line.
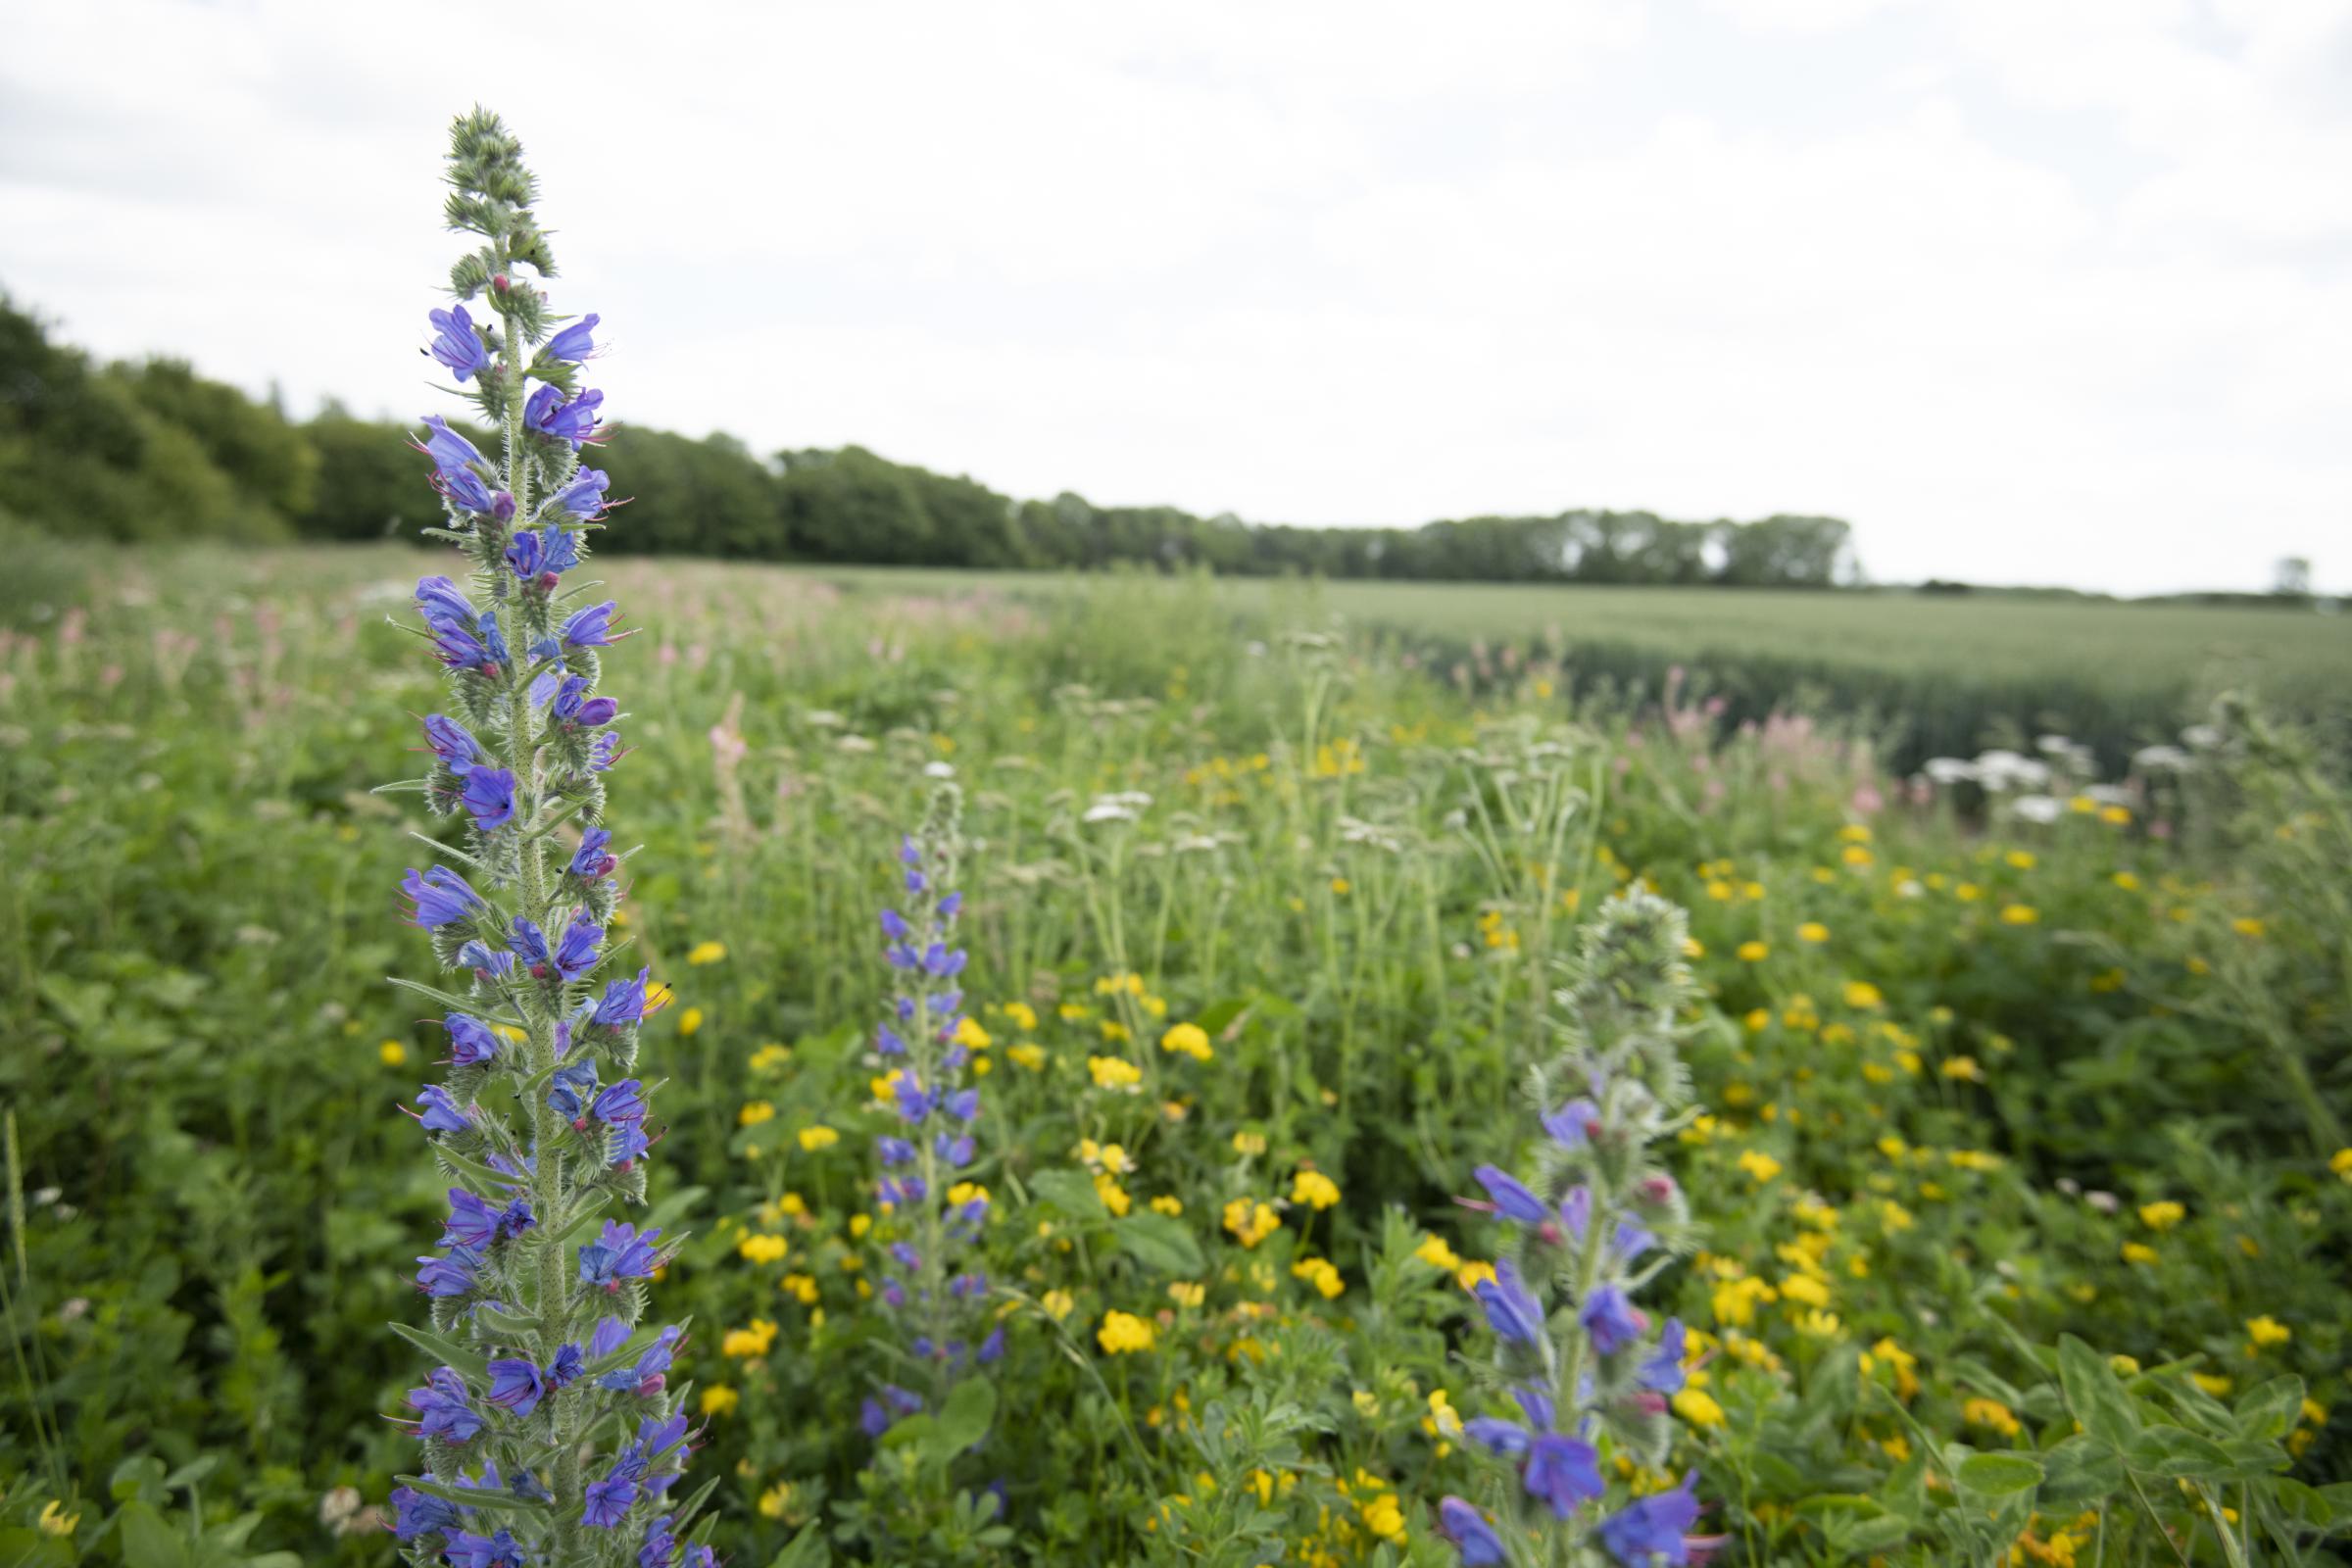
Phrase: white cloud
pixel 2027 292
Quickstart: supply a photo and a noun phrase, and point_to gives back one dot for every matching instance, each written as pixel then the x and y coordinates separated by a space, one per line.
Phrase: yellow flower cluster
pixel 1188 1039
pixel 1123 1333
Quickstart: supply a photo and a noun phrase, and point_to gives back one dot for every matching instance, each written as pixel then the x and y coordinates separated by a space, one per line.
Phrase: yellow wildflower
pixel 1188 1292
pixel 1124 1332
pixel 760 1248
pixel 2139 1253
pixel 817 1137
pixel 1761 1166
pixel 1698 1407
pixel 2266 1331
pixel 1812 931
pixel 1862 994
pixel 1990 1414
pixel 688 1022
pixel 970 1035
pixel 1251 1222
pixel 1314 1189
pixel 1114 1072
pixel 753 1341
pixel 2162 1216
pixel 702 952
pixel 1434 1251
pixel 1752 951
pixel 55 1521
pixel 1057 1304
pixel 1188 1039
pixel 2019 914
pixel 719 1400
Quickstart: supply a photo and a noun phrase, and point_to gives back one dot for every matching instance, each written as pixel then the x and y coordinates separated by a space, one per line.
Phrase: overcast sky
pixel 2029 290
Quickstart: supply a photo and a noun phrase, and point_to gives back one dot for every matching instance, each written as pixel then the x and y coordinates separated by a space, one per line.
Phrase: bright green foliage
pixel 1940 1137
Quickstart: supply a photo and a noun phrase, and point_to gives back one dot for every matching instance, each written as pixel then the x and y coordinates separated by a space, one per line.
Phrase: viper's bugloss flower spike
pixel 534 1276
pixel 935 1215
pixel 1571 1348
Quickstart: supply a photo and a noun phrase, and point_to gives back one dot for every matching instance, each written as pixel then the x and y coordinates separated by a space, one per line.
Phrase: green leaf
pixel 149 1540
pixel 2080 1470
pixel 474 1497
pixel 2094 1396
pixel 471 1364
pixel 963 1420
pixel 1219 1017
pixel 1999 1475
pixel 808 1549
pixel 2268 1414
pixel 1070 1192
pixel 1161 1242
pixel 2176 1453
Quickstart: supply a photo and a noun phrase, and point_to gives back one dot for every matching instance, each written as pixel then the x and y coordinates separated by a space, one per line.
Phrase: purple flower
pixel 576 954
pixel 603 751
pixel 1632 1238
pixel 566 1369
pixel 468 1040
pixel 965 1106
pixel 1511 1197
pixel 1576 1212
pixel 452 742
pixel 593 857
pixel 489 793
pixel 660 1547
pixel 516 1384
pixel 1652 1530
pixel 619 1253
pixel 456 344
pixel 447 1278
pixel 1611 1320
pixel 1506 1439
pixel 549 415
pixel 583 497
pixel 1574 1123
pixel 574 343
pixel 645 1378
pixel 443 607
pixel 621 1102
pixel 1471 1535
pixel 441 1407
pixel 624 1002
pixel 609 1335
pixel 466 488
pixel 1663 1372
pixel 574 705
pixel 591 627
pixel 1536 1404
pixel 439 897
pixel 607 1502
pixel 483 961
pixel 467 1551
pixel 472 1222
pixel 940 962
pixel 441 1113
pixel 448 449
pixel 1512 1311
pixel 568 1095
pixel 1562 1473
pixel 414 1512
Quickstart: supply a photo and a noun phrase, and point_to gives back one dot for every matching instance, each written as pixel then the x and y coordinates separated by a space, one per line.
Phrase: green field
pixel 1966 1085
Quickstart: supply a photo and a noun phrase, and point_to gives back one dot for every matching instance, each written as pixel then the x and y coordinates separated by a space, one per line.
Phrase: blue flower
pixel 548 413
pixel 516 1384
pixel 1536 1404
pixel 442 1407
pixel 452 743
pixel 1573 1124
pixel 609 1335
pixel 574 343
pixel 443 607
pixel 593 857
pixel 619 1253
pixel 1663 1372
pixel 466 488
pixel 607 1502
pixel 621 1102
pixel 577 955
pixel 1632 1238
pixel 441 1113
pixel 1511 1197
pixel 447 1278
pixel 591 627
pixel 448 449
pixel 624 1002
pixel 1511 1311
pixel 568 1092
pixel 414 1512
pixel 489 795
pixel 1652 1530
pixel 1611 1320
pixel 456 344
pixel 574 705
pixel 645 1378
pixel 1504 1438
pixel 1576 1212
pixel 566 1369
pixel 472 1222
pixel 468 1040
pixel 483 961
pixel 1563 1472
pixel 604 753
pixel 439 897
pixel 467 1550
pixel 583 497
pixel 1472 1537
pixel 660 1547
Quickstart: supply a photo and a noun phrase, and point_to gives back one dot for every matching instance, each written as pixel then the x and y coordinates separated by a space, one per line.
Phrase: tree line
pixel 152 451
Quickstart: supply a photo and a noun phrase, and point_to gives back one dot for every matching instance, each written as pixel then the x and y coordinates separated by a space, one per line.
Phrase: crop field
pixel 2004 1213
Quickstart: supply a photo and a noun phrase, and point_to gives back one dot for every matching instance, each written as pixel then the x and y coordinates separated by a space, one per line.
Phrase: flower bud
pixel 502 506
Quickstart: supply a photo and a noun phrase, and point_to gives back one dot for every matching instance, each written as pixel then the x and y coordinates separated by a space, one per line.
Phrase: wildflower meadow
pixel 800 1070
